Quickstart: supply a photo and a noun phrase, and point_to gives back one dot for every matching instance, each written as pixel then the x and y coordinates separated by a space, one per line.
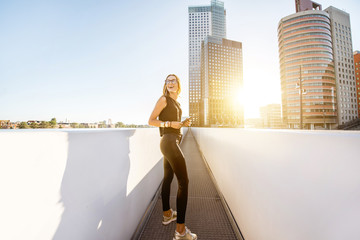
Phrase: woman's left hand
pixel 187 123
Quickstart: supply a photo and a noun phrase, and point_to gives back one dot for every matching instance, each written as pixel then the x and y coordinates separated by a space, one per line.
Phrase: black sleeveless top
pixel 172 112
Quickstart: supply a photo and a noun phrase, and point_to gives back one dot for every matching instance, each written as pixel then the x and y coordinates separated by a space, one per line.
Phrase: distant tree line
pixel 42 124
pixel 53 124
pixel 122 125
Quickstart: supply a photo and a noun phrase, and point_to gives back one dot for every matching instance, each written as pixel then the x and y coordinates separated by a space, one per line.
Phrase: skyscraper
pixel 221 81
pixel 306 62
pixel 357 77
pixel 344 65
pixel 203 21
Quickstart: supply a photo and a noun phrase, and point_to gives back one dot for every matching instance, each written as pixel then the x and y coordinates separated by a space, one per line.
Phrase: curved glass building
pixel 305 51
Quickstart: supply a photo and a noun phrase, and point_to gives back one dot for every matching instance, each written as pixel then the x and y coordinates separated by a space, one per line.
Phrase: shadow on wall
pixel 93 188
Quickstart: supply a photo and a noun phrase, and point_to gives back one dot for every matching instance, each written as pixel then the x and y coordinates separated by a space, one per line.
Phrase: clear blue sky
pixel 89 61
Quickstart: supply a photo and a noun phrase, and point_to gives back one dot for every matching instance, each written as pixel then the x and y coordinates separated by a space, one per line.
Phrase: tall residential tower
pixel 344 65
pixel 203 21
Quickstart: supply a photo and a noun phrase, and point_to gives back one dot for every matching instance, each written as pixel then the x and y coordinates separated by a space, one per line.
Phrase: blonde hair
pixel 165 91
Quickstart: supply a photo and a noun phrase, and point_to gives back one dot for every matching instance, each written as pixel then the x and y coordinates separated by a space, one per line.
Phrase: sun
pixel 250 102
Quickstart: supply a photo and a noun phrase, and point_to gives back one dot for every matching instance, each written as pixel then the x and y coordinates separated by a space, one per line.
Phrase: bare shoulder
pixel 162 100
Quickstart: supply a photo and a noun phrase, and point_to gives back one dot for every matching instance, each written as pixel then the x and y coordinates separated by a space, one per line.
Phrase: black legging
pixel 174 162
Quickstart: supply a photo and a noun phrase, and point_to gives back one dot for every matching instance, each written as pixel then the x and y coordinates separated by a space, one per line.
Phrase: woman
pixel 167 116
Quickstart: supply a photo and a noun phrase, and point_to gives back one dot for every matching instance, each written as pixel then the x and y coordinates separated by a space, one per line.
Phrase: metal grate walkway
pixel 205 213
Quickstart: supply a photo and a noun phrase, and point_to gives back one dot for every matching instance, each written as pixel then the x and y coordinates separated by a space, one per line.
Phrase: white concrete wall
pixel 184 130
pixel 74 185
pixel 287 185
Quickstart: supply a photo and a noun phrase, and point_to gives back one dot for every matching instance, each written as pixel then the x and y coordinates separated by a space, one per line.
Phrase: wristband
pixel 162 124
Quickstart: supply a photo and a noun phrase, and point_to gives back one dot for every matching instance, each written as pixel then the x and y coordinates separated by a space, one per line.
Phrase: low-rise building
pixel 271 116
pixel 4 124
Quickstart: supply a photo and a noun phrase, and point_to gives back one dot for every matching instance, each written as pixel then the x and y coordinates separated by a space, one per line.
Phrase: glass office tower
pixel 221 81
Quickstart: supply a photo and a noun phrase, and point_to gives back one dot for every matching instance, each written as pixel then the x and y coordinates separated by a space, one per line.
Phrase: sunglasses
pixel 173 81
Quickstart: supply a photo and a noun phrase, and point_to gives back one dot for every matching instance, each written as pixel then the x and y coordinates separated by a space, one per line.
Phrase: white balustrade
pixel 76 184
pixel 287 185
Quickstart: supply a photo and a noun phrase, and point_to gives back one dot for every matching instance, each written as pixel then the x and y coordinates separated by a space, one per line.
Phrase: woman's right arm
pixel 160 105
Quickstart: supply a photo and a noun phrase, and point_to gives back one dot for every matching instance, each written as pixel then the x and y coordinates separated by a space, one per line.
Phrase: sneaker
pixel 167 220
pixel 187 235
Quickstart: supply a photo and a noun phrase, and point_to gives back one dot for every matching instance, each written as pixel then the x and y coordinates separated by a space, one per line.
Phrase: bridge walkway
pixel 206 215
